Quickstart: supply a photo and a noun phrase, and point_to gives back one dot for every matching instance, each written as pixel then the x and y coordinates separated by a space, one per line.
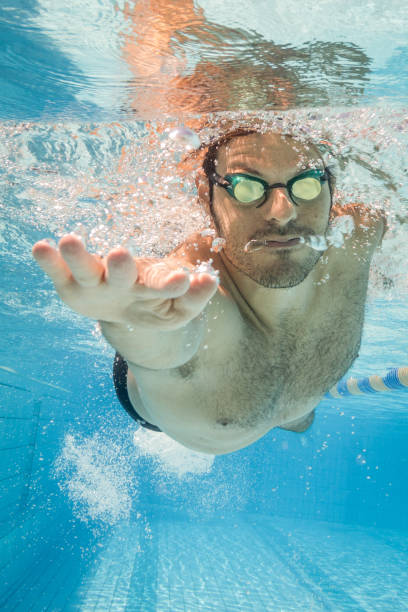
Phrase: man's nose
pixel 279 206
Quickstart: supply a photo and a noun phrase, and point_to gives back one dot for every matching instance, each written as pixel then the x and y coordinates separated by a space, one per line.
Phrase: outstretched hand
pixel 139 292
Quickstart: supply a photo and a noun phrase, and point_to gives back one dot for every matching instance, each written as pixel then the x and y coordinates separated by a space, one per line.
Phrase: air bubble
pixel 218 244
pixel 205 267
pixel 185 137
pixel 342 226
pixel 317 242
pixel 208 232
pixel 110 222
pixel 360 460
pixel 254 245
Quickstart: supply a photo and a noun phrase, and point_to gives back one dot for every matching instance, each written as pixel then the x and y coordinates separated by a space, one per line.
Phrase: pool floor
pixel 242 562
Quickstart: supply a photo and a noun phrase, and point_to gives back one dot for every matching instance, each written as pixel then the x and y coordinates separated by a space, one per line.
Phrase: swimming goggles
pixel 253 191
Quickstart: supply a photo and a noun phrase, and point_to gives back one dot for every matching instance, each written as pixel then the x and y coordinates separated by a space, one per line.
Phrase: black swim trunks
pixel 120 368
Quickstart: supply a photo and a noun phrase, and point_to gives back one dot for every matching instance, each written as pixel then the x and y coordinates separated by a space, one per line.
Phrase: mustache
pixel 289 230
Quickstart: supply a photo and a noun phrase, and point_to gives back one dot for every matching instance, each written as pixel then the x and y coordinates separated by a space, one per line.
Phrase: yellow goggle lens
pixel 307 188
pixel 248 191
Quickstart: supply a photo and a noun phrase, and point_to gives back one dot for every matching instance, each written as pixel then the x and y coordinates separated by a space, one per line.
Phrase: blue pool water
pixel 96 514
pixel 313 520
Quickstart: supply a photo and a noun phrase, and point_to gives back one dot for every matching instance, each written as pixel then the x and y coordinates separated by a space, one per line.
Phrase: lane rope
pixel 394 379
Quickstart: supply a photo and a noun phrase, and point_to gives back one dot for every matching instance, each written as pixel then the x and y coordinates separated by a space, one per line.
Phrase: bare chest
pixel 243 381
pixel 250 378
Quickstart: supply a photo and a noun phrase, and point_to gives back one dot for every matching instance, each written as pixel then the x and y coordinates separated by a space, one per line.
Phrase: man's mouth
pixel 284 243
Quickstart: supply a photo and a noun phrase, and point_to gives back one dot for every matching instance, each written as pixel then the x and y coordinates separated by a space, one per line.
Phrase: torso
pixel 244 380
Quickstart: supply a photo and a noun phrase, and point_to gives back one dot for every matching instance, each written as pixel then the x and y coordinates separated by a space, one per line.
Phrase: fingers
pixel 70 263
pixel 171 314
pixel 121 268
pixel 50 260
pixel 88 270
pixel 146 278
pixel 202 287
pixel 161 280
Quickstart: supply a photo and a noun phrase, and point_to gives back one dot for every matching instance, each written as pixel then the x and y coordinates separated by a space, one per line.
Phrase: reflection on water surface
pixel 151 57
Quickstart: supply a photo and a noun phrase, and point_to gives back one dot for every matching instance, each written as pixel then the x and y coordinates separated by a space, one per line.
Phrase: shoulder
pixel 370 224
pixel 195 249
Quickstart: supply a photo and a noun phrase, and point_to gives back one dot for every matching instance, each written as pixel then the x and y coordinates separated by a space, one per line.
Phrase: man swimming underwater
pixel 216 362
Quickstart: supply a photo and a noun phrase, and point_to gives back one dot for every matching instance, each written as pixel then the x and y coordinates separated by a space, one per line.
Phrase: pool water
pixel 96 513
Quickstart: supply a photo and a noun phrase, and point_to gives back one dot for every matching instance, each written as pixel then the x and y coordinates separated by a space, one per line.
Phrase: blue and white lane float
pixel 395 379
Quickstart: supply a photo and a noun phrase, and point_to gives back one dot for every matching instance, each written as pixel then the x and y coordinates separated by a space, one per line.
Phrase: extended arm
pixel 149 310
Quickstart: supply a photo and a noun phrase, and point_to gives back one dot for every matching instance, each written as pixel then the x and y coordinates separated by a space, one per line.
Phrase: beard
pixel 278 269
pixel 282 271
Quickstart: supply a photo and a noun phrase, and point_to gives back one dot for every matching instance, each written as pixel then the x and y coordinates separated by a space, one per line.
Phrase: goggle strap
pixel 219 180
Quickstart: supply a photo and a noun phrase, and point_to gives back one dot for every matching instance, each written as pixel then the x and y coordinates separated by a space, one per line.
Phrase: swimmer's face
pixel 275 159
